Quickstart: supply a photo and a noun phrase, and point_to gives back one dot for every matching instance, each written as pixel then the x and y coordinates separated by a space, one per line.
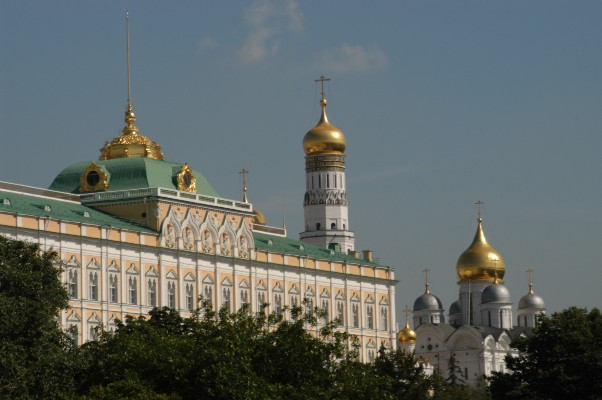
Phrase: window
pixel 208 293
pixel 189 297
pixel 335 180
pixel 341 312
pixel 152 293
pixel 327 181
pixel 310 307
pixel 355 311
pixel 371 355
pixel 73 332
pixel 318 226
pixel 261 300
pixel 93 333
pixel 113 288
pixel 73 284
pixel 294 302
pixel 93 281
pixel 333 226
pixel 326 309
pixel 244 297
pixel 171 294
pixel 384 318
pixel 226 297
pixel 133 290
pixel 370 316
pixel 278 303
pixel 320 181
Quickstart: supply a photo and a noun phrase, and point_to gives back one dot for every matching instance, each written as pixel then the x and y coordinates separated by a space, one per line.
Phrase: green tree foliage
pixel 37 359
pixel 561 360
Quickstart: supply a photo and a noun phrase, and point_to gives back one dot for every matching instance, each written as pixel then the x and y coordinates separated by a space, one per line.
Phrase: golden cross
pixel 244 173
pixel 479 204
pixel 322 79
pixel 407 311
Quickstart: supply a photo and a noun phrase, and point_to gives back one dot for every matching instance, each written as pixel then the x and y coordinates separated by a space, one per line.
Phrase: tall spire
pixel 130 117
pixel 130 143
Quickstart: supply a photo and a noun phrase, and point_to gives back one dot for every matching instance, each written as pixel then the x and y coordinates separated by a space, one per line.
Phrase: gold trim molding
pixel 186 179
pixel 93 179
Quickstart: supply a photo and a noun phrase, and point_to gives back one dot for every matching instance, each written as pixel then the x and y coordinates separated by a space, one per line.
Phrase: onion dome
pixel 455 308
pixel 495 293
pixel 324 138
pixel 480 261
pixel 531 300
pixel 427 301
pixel 407 334
pixel 131 143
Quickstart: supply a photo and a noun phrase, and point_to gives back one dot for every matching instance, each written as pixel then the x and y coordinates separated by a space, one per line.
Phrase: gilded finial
pixel 407 311
pixel 495 260
pixel 479 203
pixel 426 273
pixel 244 173
pixel 130 117
pixel 323 101
pixel 530 271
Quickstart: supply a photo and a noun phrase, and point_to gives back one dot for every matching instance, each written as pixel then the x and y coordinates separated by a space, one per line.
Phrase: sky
pixel 443 104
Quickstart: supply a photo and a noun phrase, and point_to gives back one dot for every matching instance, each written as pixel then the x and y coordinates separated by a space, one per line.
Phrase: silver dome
pixel 455 308
pixel 495 293
pixel 531 300
pixel 427 302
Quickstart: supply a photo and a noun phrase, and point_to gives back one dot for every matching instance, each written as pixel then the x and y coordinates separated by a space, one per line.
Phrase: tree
pixel 562 359
pixel 37 359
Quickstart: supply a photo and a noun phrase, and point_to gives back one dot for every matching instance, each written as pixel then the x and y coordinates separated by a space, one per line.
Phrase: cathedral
pixel 480 327
pixel 135 231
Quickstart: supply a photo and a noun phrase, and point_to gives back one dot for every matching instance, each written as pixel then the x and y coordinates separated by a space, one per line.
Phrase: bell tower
pixel 325 201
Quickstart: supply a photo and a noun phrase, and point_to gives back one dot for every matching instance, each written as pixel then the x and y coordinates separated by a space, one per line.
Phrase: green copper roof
pixel 131 173
pixel 285 245
pixel 68 211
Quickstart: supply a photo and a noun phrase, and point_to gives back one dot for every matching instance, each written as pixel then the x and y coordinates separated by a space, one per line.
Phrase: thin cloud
pixel 351 59
pixel 206 43
pixel 267 19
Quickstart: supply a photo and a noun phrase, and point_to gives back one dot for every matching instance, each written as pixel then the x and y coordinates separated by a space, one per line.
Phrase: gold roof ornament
pixel 407 334
pixel 186 179
pixel 324 137
pixel 480 261
pixel 130 143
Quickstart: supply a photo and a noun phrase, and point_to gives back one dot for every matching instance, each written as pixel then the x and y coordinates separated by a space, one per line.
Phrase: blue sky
pixel 443 103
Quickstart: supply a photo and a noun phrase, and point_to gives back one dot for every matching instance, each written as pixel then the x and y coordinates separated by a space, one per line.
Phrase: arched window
pixel 93 286
pixel 318 226
pixel 189 297
pixel 113 288
pixel 133 290
pixel 333 226
pixel 355 311
pixel 152 293
pixel 171 294
pixel 73 284
pixel 370 316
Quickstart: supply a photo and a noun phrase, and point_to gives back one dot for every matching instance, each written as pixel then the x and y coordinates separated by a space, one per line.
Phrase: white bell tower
pixel 325 202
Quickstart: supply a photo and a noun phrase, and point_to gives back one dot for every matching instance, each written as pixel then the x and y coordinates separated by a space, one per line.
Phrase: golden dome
pixel 130 143
pixel 259 217
pixel 480 261
pixel 324 137
pixel 406 335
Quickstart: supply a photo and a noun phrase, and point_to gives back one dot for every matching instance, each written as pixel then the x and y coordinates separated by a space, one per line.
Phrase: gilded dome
pixel 324 137
pixel 406 335
pixel 259 217
pixel 131 143
pixel 480 261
